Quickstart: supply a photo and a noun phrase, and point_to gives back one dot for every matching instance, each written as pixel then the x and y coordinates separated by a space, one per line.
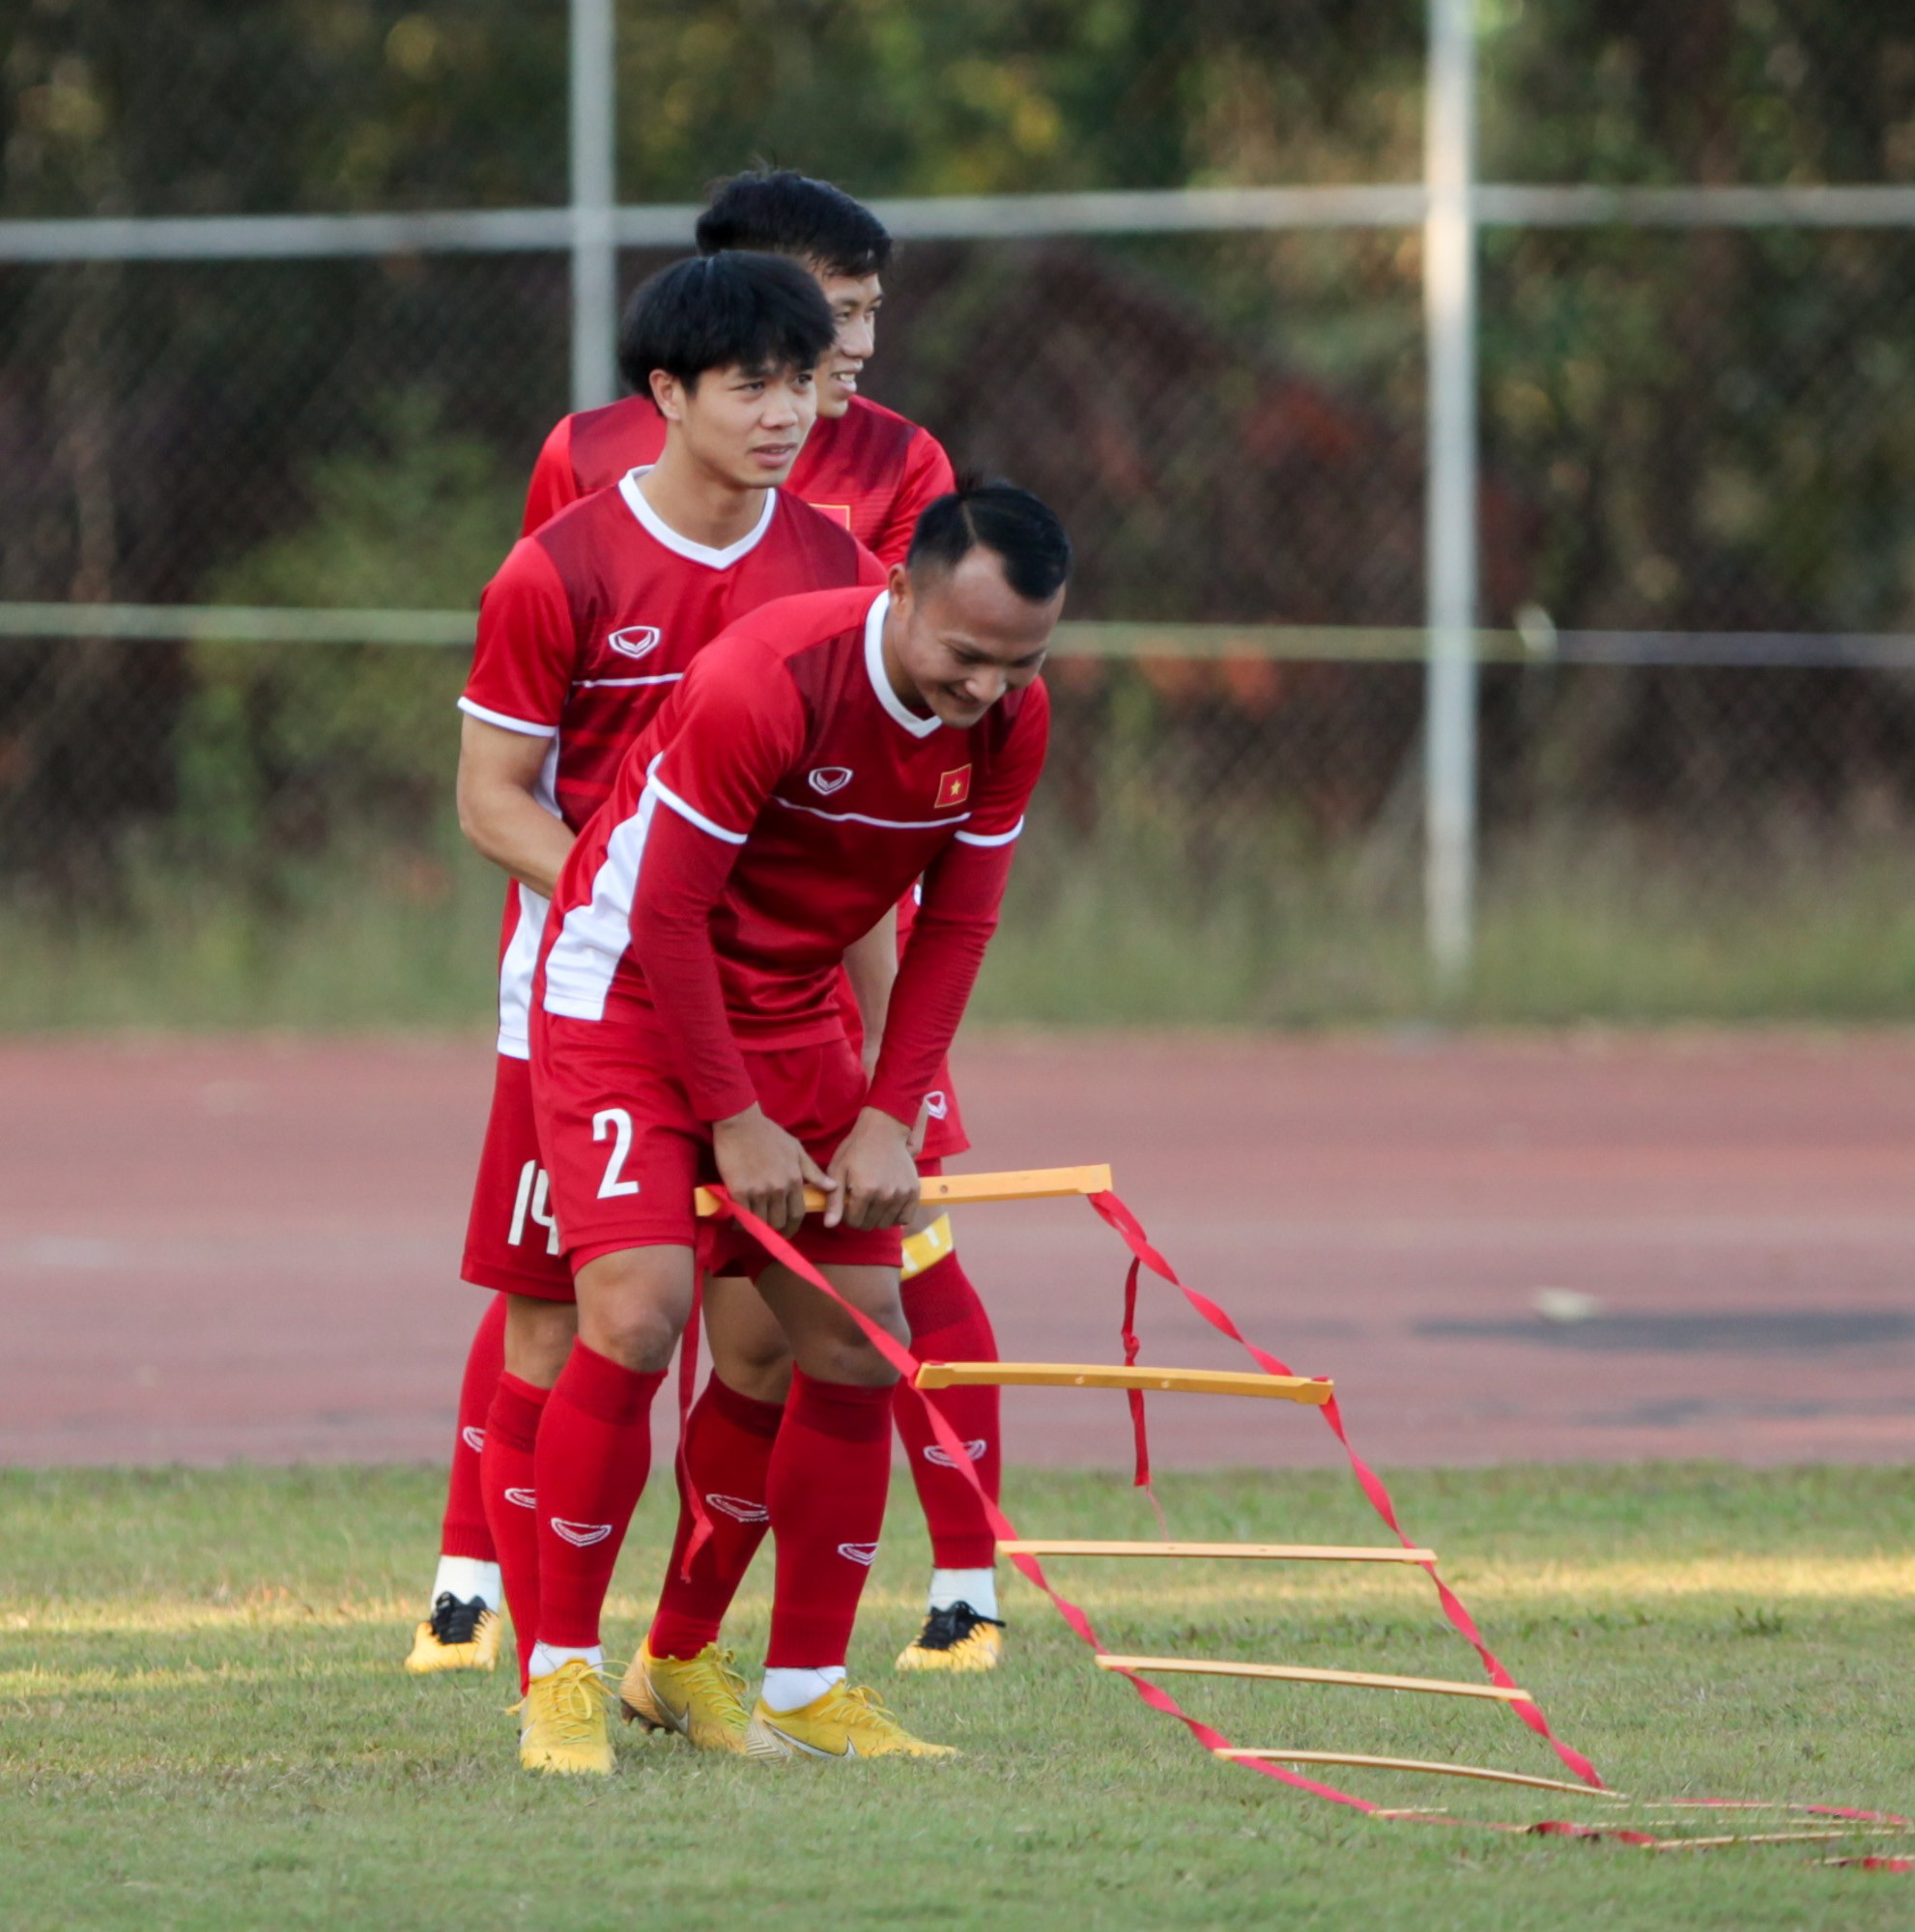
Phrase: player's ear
pixel 669 393
pixel 899 584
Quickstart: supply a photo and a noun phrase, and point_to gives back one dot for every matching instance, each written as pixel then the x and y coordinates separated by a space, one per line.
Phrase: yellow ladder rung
pixel 1298 1673
pixel 1313 1389
pixel 1419 1764
pixel 1031 1184
pixel 1267 1552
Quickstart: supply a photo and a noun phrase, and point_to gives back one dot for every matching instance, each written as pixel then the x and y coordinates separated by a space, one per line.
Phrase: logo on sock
pixel 739 1509
pixel 859 1552
pixel 943 1457
pixel 524 1498
pixel 473 1439
pixel 581 1534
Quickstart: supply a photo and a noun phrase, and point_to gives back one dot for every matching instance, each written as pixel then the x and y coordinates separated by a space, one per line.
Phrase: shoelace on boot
pixel 454 1621
pixel 575 1699
pixel 946 1629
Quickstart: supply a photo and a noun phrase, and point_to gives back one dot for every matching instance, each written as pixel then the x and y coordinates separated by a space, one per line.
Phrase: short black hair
pixel 780 213
pixel 1022 532
pixel 724 311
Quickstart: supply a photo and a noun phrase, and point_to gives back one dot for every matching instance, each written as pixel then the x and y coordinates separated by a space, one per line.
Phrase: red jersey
pixel 590 622
pixel 779 802
pixel 870 470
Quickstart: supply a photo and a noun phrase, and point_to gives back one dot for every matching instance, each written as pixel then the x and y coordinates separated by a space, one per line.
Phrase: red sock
pixel 465 1532
pixel 830 1468
pixel 505 1470
pixel 949 1324
pixel 728 1441
pixel 595 1453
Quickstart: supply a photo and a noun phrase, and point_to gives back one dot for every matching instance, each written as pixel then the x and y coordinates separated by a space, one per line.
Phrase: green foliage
pixel 416 520
pixel 984 97
pixel 290 748
pixel 1262 929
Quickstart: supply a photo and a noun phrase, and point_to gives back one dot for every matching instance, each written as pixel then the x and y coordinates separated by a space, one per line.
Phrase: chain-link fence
pixel 1698 506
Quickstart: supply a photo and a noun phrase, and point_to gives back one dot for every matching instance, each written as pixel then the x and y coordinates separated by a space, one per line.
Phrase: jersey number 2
pixel 615 1121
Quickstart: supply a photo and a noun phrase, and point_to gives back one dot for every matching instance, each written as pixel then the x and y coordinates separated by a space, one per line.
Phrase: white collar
pixel 919 727
pixel 697 552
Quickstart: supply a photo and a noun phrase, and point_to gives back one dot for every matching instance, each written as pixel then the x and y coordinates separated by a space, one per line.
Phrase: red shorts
pixel 512 1235
pixel 625 1149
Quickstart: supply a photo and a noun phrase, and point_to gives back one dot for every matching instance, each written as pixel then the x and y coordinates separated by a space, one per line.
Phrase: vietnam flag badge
pixel 954 787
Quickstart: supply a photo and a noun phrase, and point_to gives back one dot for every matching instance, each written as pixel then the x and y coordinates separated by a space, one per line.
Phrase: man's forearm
pixel 940 966
pixel 518 835
pixel 872 966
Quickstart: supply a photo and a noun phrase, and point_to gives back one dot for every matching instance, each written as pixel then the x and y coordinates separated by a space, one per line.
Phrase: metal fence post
pixel 1450 319
pixel 594 140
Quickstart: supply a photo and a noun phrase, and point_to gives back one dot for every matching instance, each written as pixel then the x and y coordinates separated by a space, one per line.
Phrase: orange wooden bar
pixel 1298 1673
pixel 1032 1183
pixel 1313 1389
pixel 1265 1552
pixel 1418 1764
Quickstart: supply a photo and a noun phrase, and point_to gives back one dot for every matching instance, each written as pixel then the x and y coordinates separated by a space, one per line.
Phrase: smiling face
pixel 742 426
pixel 956 639
pixel 855 301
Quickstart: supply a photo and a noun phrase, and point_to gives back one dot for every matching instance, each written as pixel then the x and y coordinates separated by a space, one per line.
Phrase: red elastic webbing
pixel 906 1364
pixel 1113 1212
pixel 688 1375
pixel 1130 1346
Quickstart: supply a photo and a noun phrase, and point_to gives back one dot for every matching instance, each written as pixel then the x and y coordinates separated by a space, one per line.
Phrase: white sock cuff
pixel 467 1577
pixel 792 1689
pixel 549 1656
pixel 976 1588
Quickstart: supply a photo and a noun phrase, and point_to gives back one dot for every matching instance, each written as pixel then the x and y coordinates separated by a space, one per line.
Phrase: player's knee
pixel 848 1355
pixel 632 1307
pixel 538 1337
pixel 761 1377
pixel 637 1337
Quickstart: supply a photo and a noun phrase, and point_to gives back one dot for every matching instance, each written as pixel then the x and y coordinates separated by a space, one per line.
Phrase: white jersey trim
pixel 584 956
pixel 690 812
pixel 519 962
pixel 624 683
pixel 523 725
pixel 884 824
pixel 661 531
pixel 989 837
pixel 893 705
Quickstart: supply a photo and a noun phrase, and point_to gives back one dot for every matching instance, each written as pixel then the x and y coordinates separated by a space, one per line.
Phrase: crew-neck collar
pixel 657 527
pixel 899 710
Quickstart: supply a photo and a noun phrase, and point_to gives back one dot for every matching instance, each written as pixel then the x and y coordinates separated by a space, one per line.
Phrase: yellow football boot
pixel 845 1723
pixel 458 1635
pixel 957 1638
pixel 701 1697
pixel 565 1726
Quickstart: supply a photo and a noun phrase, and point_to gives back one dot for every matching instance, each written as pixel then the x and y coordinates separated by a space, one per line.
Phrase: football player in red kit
pixel 867 466
pixel 821 756
pixel 589 624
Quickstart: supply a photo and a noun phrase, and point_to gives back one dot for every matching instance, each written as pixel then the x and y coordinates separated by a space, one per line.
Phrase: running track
pixel 245 1248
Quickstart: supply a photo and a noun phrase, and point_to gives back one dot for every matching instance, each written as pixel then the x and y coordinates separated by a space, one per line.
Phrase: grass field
pixel 1572 925
pixel 202 1721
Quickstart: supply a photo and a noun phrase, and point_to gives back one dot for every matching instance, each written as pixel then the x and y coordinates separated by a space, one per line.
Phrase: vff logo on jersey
pixel 828 779
pixel 954 787
pixel 635 641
